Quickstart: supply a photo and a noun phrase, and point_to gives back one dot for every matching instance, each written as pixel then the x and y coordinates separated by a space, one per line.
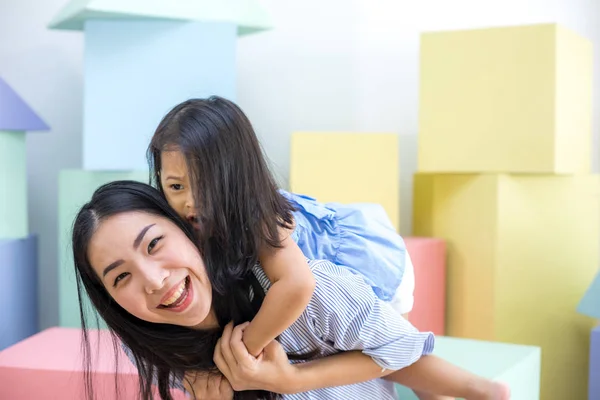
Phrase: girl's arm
pixel 429 375
pixel 292 286
pixel 273 372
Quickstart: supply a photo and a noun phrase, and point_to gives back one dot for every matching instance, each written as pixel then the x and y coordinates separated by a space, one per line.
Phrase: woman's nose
pixel 155 279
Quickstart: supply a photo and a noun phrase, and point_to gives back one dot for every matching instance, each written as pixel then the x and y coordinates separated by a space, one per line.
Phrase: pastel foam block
pixel 18 289
pixel 516 365
pixel 49 365
pixel 75 188
pixel 512 242
pixel 13 185
pixel 15 114
pixel 487 96
pixel 249 16
pixel 594 372
pixel 428 256
pixel 136 71
pixel 347 168
pixel 590 303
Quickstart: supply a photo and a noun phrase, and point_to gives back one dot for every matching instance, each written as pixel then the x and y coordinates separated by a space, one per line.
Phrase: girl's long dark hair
pixel 237 199
pixel 161 351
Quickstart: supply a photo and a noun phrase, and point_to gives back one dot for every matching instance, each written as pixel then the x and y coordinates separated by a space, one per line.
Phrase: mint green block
pixel 75 188
pixel 13 185
pixel 250 16
pixel 516 365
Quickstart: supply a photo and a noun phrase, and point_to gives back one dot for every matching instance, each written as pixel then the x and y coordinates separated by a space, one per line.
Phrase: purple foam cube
pixel 18 289
pixel 594 377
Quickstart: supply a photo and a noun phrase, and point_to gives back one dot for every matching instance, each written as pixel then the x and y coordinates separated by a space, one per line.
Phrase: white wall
pixel 328 65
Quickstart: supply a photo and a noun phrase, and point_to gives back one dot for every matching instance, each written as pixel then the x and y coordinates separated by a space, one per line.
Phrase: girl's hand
pixel 271 370
pixel 203 385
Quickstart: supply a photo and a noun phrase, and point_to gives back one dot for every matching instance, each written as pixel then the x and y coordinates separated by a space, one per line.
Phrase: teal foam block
pixel 18 289
pixel 13 185
pixel 249 16
pixel 136 71
pixel 516 365
pixel 75 188
pixel 590 302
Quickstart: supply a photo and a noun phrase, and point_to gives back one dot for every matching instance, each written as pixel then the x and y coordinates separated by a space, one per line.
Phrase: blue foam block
pixel 594 372
pixel 18 289
pixel 136 71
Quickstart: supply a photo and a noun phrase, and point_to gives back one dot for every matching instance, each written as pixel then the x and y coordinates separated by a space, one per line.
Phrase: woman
pixel 137 261
pixel 161 296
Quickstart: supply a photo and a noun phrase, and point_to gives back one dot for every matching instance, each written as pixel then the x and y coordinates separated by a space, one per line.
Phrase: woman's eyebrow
pixel 140 236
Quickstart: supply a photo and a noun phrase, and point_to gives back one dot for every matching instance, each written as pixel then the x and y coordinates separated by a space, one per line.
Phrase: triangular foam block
pixel 15 114
pixel 249 15
pixel 590 303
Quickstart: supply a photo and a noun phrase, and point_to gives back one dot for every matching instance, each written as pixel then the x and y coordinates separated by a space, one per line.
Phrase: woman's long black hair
pixel 239 207
pixel 161 351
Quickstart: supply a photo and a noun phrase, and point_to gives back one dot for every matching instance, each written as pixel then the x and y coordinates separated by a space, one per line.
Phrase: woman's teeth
pixel 176 295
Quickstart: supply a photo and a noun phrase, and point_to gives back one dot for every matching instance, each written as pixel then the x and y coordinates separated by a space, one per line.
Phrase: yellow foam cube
pixel 348 168
pixel 509 99
pixel 522 250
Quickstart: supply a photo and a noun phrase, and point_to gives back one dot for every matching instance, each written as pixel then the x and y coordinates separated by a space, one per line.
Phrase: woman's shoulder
pixel 324 271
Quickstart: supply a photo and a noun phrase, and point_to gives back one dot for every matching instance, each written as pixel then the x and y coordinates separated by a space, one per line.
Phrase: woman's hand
pixel 270 371
pixel 204 385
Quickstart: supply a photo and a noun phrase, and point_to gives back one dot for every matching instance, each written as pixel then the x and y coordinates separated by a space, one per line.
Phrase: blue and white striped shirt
pixel 344 314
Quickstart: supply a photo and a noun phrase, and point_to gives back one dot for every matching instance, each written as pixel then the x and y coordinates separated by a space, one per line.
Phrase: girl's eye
pixel 119 278
pixel 153 243
pixel 176 186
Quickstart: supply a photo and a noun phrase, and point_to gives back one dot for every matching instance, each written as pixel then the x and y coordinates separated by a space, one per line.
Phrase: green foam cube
pixel 516 365
pixel 13 185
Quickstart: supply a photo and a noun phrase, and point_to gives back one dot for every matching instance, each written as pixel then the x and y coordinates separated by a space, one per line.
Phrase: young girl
pixel 208 163
pixel 146 277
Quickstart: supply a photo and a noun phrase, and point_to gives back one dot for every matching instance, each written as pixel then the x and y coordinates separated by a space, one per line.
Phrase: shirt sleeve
pixel 347 314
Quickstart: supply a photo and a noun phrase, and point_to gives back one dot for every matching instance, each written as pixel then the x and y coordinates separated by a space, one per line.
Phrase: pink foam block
pixel 429 259
pixel 49 366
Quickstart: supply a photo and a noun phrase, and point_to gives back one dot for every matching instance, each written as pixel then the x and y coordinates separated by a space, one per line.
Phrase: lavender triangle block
pixel 15 114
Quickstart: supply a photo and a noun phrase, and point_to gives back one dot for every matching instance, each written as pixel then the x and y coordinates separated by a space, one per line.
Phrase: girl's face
pixel 152 270
pixel 174 179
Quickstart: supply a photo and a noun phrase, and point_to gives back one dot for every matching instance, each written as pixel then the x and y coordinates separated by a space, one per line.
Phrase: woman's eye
pixel 177 186
pixel 119 278
pixel 153 243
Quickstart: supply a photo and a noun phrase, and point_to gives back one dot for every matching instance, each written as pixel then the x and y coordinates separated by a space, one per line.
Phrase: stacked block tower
pixel 141 59
pixel 504 177
pixel 18 248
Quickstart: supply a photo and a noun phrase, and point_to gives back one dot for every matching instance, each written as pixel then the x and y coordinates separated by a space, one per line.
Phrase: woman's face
pixel 152 270
pixel 174 179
